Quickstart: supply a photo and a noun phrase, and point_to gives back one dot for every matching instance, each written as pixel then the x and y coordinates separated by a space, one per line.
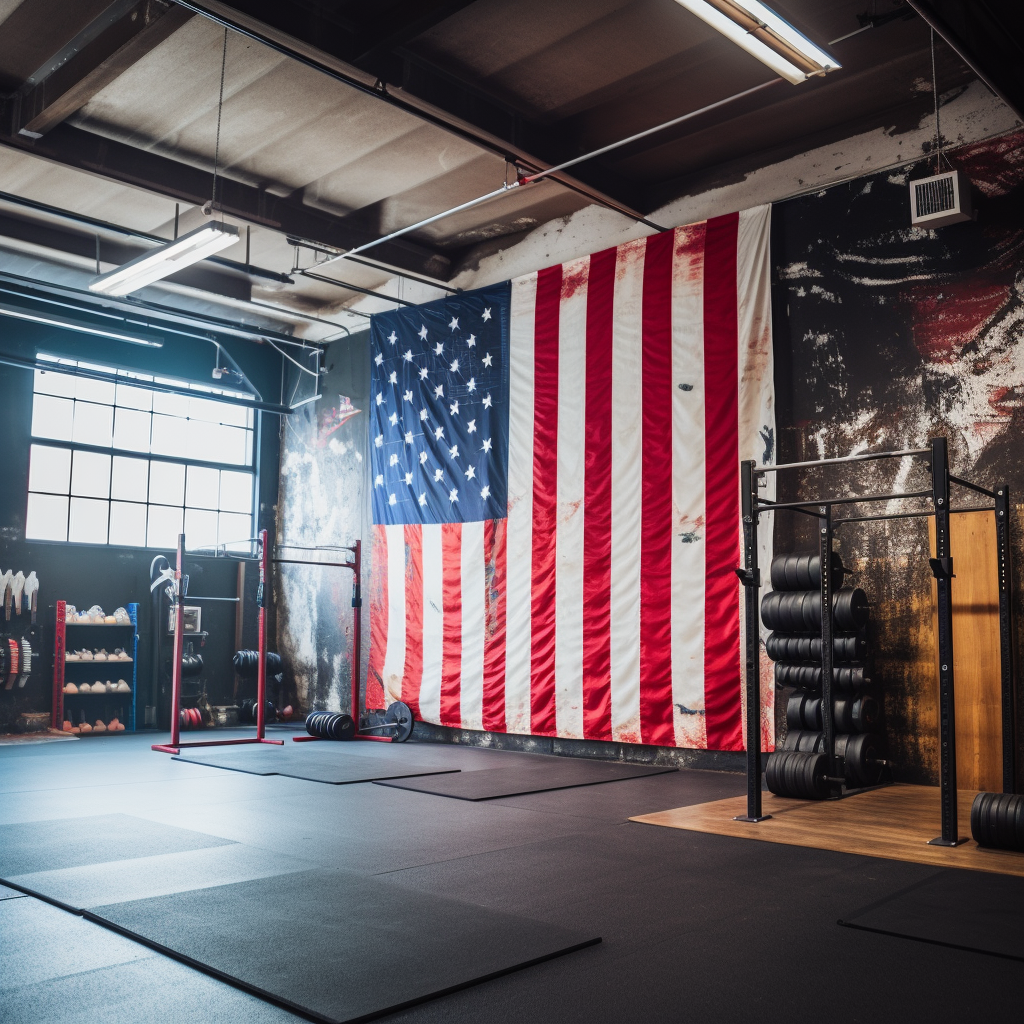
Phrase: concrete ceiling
pixel 344 121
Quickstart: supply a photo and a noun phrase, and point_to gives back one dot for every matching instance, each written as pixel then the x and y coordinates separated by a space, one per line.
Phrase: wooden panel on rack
pixel 976 678
pixel 894 823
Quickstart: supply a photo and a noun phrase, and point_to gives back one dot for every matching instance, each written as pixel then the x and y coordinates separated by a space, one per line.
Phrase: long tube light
pixel 166 259
pixel 69 324
pixel 764 35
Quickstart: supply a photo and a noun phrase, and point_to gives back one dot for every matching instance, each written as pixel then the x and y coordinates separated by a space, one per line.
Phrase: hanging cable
pixel 935 96
pixel 220 110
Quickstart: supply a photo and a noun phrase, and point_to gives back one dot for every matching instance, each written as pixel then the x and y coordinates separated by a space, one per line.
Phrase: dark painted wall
pixel 110 576
pixel 886 335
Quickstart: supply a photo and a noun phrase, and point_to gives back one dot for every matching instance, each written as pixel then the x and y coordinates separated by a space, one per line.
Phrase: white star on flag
pixel 471 385
pixel 392 337
pixel 423 457
pixel 408 396
pixel 487 445
pixel 487 401
pixel 470 473
pixel 379 440
pixel 453 452
pixel 423 414
pixel 408 437
pixel 423 373
pixel 378 480
pixel 487 313
pixel 439 391
pixel 392 500
pixel 485 492
pixel 455 366
pixel 487 359
pixel 393 379
pixel 471 428
pixel 471 340
pixel 454 408
pixel 453 495
pixel 393 461
pixel 455 323
pixel 423 332
pixel 438 433
pixel 438 475
pixel 423 499
pixel 408 355
pixel 380 398
pixel 408 478
pixel 438 349
pixel 378 359
pixel 394 419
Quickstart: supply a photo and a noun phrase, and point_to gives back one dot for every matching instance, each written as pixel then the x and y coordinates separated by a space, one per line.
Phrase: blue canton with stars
pixel 439 409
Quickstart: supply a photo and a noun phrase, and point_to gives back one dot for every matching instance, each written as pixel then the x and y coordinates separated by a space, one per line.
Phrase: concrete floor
pixel 694 927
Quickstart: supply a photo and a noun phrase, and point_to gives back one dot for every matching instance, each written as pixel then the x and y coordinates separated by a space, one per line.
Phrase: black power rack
pixel 821 508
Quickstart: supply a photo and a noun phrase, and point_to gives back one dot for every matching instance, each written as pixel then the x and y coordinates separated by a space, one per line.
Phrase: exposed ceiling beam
pixel 408 82
pixel 184 183
pixel 36 108
pixel 989 36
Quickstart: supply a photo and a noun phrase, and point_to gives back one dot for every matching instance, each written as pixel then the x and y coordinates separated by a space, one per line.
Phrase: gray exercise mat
pixel 32 846
pixel 559 773
pixel 972 910
pixel 320 761
pixel 337 944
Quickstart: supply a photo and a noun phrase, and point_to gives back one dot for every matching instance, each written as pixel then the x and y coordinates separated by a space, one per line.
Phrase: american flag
pixel 574 577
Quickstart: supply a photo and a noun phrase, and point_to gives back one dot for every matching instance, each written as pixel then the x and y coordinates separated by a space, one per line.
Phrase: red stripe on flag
pixel 656 522
pixel 378 620
pixel 597 501
pixel 722 510
pixel 412 675
pixel 545 501
pixel 494 625
pixel 451 646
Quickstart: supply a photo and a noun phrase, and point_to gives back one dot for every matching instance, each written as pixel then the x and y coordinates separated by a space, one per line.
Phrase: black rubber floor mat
pixel 338 945
pixel 561 773
pixel 313 762
pixel 70 842
pixel 971 910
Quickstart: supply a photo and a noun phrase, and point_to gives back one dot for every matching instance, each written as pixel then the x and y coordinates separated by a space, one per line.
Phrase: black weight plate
pixel 401 714
pixel 795 711
pixel 865 713
pixel 851 608
pixel 777 573
pixel 801 573
pixel 812 714
pixel 842 711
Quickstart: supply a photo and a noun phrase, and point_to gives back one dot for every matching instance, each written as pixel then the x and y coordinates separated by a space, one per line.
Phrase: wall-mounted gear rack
pixel 936 456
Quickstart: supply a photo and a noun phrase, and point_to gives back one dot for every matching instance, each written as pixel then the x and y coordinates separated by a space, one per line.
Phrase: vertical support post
pixel 828 723
pixel 57 712
pixel 750 578
pixel 357 627
pixel 1006 636
pixel 261 672
pixel 942 570
pixel 179 640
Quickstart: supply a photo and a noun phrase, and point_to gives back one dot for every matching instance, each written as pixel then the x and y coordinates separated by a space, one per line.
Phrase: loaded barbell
pixel 797 773
pixel 997 819
pixel 808 677
pixel 780 647
pixel 800 611
pixel 804 712
pixel 861 754
pixel 803 571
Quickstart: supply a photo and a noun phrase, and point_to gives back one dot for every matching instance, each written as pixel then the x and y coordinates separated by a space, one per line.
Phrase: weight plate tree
pixel 826 656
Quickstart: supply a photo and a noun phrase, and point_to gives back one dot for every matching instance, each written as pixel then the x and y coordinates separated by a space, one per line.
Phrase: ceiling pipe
pixel 529 179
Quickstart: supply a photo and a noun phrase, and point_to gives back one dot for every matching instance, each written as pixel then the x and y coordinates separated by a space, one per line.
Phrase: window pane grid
pixel 121 497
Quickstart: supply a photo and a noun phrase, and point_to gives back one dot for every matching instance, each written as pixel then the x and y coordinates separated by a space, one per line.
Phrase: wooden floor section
pixel 894 822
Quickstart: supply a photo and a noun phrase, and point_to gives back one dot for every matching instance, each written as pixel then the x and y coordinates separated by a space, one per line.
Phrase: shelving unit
pixel 83 635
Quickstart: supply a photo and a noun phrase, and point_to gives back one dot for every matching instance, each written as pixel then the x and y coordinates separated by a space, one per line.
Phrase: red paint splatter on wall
pixel 947 317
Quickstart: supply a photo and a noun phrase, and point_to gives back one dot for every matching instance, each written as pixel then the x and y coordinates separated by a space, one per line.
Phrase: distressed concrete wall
pixel 323 502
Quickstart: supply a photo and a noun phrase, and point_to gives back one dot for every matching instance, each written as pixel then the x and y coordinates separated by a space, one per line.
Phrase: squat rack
pixel 263 557
pixel 821 508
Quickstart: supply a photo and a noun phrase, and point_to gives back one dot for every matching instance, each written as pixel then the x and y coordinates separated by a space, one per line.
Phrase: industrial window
pixel 117 463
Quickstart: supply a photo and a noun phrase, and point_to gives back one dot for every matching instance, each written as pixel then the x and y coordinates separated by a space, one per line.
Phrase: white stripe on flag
pixel 433 623
pixel 519 538
pixel 572 428
pixel 394 660
pixel 627 452
pixel 688 498
pixel 473 595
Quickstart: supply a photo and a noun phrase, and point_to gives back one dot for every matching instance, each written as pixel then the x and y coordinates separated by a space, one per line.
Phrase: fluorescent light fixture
pixel 166 259
pixel 766 36
pixel 69 324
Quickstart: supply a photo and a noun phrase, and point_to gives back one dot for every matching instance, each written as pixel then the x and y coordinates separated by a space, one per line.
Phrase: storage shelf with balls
pixel 76 706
